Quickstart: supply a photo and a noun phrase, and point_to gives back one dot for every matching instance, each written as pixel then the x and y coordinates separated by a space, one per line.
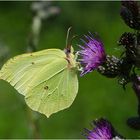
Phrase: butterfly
pixel 47 79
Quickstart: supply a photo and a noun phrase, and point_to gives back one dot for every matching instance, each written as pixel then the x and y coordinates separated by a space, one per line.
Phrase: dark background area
pixel 97 96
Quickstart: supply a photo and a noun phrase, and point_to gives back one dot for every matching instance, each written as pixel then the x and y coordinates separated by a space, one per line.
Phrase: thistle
pixel 92 54
pixel 102 129
pixel 93 57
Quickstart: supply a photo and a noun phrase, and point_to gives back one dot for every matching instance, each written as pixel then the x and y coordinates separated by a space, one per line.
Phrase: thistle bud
pixel 130 13
pixel 111 67
pixel 131 43
pixel 127 39
pixel 125 69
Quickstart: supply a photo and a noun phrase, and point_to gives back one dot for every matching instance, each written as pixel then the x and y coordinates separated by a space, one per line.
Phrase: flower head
pixel 92 54
pixel 102 130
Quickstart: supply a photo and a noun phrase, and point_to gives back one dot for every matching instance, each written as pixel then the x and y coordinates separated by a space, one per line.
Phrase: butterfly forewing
pixel 21 70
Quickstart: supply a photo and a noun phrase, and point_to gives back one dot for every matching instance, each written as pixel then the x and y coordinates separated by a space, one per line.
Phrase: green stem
pixel 33 124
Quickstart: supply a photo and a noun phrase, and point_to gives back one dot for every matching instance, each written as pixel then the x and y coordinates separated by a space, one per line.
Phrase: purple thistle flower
pixel 92 54
pixel 102 130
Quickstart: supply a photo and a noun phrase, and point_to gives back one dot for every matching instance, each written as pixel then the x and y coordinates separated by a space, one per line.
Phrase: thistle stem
pixel 138 98
pixel 138 104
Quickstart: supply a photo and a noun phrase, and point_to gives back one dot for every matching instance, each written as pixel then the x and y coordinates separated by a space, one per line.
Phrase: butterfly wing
pixel 40 78
pixel 54 94
pixel 21 70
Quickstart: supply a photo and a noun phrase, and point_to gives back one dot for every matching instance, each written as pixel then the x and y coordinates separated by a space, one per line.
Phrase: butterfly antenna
pixel 68 46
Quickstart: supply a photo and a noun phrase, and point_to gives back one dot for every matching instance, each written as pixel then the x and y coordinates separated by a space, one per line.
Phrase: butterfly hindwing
pixel 55 94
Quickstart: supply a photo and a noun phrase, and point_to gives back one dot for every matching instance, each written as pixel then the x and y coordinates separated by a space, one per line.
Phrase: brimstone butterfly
pixel 47 79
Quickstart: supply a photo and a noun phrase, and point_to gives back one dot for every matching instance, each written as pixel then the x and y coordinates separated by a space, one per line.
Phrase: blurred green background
pixel 97 96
